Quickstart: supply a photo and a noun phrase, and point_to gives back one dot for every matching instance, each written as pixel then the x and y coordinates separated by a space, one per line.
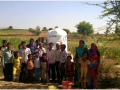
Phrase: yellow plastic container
pixel 52 87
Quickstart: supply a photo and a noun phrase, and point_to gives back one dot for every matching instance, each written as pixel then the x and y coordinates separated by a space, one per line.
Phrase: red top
pixel 70 68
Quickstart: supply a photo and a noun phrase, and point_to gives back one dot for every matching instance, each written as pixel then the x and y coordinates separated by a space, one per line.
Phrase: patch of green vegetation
pixel 13 29
pixel 11 34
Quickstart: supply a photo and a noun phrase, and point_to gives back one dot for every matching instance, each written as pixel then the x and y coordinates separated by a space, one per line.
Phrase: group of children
pixel 37 62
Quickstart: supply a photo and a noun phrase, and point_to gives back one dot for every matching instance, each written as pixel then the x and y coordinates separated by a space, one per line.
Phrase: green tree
pixel 117 29
pixel 10 27
pixel 50 29
pixel 38 28
pixel 67 31
pixel 84 28
pixel 111 10
pixel 44 29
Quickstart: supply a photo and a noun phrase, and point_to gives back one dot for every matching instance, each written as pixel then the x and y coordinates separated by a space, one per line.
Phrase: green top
pixel 7 56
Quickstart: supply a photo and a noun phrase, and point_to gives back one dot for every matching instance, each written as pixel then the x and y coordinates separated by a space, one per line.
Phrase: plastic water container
pixel 57 35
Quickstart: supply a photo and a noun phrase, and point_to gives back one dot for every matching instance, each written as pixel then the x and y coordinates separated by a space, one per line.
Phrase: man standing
pixel 24 52
pixel 7 62
pixel 63 60
pixel 31 46
pixel 57 58
pixel 2 48
pixel 51 59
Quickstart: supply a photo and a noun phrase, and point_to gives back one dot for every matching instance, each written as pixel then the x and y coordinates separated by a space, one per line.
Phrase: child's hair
pixel 50 43
pixel 23 42
pixel 69 57
pixel 29 55
pixel 36 52
pixel 8 44
pixel 63 46
pixel 31 39
pixel 84 53
pixel 19 46
pixel 15 53
pixel 44 54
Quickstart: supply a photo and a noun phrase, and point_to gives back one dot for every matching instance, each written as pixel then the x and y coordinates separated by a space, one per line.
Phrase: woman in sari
pixel 78 56
pixel 93 75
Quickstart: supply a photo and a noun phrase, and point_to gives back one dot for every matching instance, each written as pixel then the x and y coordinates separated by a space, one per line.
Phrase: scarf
pixel 92 53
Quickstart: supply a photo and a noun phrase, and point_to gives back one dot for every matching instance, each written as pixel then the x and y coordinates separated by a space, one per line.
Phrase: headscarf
pixel 80 51
pixel 92 53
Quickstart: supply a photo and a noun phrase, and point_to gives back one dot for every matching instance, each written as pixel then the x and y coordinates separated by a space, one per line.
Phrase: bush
pixel 37 32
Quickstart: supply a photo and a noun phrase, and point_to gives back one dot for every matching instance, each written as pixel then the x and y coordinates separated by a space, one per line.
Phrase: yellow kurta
pixel 16 65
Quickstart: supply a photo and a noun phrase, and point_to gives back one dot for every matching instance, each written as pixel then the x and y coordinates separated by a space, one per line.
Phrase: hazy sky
pixel 64 14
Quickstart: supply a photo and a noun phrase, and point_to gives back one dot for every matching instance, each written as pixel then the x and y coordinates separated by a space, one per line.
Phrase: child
pixel 37 67
pixel 84 69
pixel 29 68
pixel 44 67
pixel 69 69
pixel 16 66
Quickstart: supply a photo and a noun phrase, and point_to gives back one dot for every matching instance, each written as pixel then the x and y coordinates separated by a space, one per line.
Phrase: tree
pixel 10 27
pixel 107 32
pixel 38 28
pixel 117 29
pixel 50 29
pixel 44 29
pixel 84 28
pixel 111 8
pixel 67 31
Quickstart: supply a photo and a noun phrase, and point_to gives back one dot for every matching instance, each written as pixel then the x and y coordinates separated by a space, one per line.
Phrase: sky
pixel 64 14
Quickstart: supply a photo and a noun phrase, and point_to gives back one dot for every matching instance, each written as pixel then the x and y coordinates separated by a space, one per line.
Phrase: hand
pixel 13 68
pixel 3 66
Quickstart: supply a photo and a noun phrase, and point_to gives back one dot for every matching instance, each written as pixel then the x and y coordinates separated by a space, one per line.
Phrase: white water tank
pixel 57 35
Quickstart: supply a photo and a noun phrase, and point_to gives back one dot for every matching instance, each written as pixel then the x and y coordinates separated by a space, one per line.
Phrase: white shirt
pixel 24 54
pixel 51 56
pixel 57 55
pixel 63 58
pixel 41 51
pixel 37 62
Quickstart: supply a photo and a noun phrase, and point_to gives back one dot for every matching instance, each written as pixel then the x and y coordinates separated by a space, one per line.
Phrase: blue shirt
pixel 32 48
